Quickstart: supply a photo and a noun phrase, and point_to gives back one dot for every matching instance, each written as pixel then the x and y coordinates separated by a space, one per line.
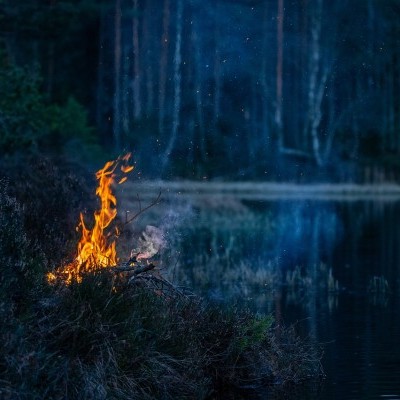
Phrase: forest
pixel 199 199
pixel 272 90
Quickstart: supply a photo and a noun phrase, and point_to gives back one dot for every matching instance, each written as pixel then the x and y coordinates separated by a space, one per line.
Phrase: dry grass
pixel 106 339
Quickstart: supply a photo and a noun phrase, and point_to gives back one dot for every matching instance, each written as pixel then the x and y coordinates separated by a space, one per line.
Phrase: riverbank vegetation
pixel 108 338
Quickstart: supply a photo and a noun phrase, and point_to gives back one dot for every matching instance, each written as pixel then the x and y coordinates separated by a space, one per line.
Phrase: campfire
pixel 97 247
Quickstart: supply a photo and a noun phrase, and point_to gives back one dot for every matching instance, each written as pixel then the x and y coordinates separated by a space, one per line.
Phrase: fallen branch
pixel 129 267
pixel 136 270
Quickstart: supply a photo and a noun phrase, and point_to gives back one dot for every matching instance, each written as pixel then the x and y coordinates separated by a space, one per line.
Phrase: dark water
pixel 358 323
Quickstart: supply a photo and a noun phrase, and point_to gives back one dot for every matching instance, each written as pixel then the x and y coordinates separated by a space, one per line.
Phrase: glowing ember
pixel 94 251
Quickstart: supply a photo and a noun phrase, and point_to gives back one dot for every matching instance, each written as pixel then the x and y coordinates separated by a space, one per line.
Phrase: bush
pixel 51 195
pixel 30 123
pixel 102 340
pixel 23 113
pixel 21 258
pixel 106 338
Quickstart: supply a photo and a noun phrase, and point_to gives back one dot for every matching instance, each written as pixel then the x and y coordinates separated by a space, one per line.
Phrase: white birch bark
pixel 163 67
pixel 177 85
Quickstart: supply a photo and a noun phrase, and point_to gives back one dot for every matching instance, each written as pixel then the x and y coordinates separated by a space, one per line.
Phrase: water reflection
pixel 330 267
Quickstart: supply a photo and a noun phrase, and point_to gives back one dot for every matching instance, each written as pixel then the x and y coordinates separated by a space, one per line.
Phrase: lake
pixel 329 267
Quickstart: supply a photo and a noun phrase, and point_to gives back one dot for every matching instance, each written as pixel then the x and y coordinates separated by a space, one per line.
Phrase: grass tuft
pixel 107 339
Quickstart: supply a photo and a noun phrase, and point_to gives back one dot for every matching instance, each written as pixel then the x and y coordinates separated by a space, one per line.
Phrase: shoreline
pixel 259 191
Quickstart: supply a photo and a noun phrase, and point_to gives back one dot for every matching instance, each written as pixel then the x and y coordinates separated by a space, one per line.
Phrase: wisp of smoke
pixel 151 241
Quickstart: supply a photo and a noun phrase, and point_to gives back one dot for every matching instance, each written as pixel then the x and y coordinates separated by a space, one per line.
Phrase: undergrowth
pixel 95 340
pixel 107 339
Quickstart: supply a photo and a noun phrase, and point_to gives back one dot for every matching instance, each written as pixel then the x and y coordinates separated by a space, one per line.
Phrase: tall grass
pixel 95 340
pixel 108 339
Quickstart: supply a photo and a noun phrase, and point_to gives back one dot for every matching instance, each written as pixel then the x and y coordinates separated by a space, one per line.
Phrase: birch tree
pixel 147 44
pixel 316 87
pixel 137 107
pixel 177 84
pixel 198 87
pixel 163 67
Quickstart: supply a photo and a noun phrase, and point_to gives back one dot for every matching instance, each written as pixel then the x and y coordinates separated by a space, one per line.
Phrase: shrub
pixel 105 339
pixel 30 123
pixel 23 114
pixel 21 259
pixel 51 195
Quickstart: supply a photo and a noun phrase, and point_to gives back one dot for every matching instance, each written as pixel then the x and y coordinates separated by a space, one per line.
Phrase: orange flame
pixel 94 251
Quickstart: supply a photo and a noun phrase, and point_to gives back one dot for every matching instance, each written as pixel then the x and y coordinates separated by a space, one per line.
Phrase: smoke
pixel 155 239
pixel 151 241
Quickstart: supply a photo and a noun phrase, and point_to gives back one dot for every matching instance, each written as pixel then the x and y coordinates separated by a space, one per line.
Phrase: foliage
pixel 94 341
pixel 48 194
pixel 21 259
pixel 228 69
pixel 71 120
pixel 28 122
pixel 23 113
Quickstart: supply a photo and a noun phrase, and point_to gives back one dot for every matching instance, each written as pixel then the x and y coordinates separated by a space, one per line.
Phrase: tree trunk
pixel 177 85
pixel 279 77
pixel 149 66
pixel 117 76
pixel 391 107
pixel 315 89
pixel 137 107
pixel 198 91
pixel 100 73
pixel 371 40
pixel 125 91
pixel 265 108
pixel 217 70
pixel 305 139
pixel 163 67
pixel 331 129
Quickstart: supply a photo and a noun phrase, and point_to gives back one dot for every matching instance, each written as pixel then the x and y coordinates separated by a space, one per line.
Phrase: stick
pixel 136 270
pixel 141 211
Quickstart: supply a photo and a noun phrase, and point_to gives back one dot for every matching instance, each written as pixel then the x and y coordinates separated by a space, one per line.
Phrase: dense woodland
pixel 282 90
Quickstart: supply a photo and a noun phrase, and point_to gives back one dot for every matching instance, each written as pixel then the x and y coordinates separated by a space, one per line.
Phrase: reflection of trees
pixel 357 240
pixel 370 246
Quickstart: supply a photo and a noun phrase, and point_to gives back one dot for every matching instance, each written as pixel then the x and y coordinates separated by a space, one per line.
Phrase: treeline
pixel 274 89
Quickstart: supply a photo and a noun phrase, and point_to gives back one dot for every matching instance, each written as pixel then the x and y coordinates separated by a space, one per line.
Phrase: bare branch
pixel 141 211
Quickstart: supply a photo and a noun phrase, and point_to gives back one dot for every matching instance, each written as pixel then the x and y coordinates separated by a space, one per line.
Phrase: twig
pixel 141 211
